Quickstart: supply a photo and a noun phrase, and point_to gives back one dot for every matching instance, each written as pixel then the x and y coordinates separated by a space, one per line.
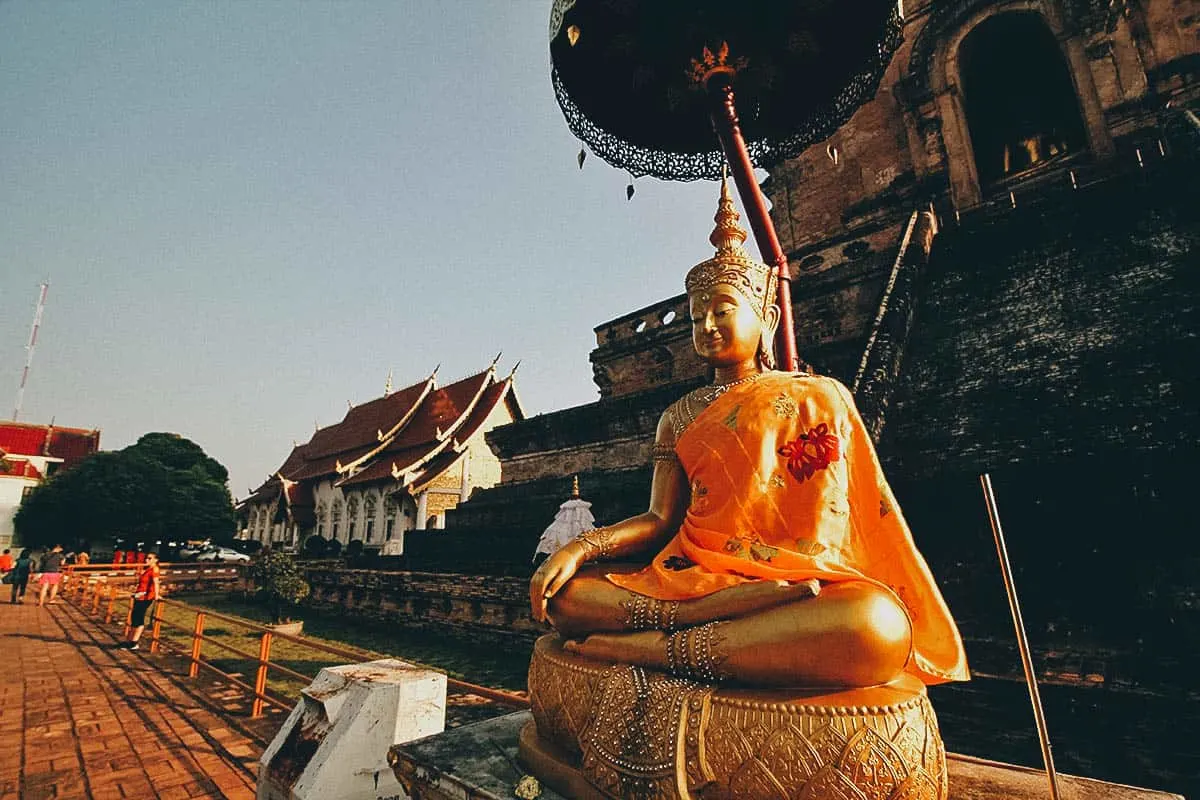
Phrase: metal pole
pixel 197 640
pixel 157 627
pixel 725 121
pixel 260 678
pixel 1022 640
pixel 128 619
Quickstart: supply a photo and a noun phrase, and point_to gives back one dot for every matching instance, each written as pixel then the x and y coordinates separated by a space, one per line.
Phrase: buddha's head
pixel 731 297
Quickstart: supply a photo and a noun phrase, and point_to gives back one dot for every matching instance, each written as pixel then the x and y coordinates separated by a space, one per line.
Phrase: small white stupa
pixel 572 519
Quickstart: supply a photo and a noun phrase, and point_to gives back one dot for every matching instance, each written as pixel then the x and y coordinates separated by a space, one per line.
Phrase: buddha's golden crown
pixel 732 265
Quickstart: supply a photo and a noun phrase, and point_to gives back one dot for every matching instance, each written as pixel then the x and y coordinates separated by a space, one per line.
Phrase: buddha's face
pixel 725 329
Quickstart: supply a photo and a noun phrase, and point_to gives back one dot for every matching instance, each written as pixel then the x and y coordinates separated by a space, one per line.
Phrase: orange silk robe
pixel 786 485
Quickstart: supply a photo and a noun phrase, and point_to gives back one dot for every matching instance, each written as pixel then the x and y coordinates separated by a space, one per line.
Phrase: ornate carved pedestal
pixel 618 731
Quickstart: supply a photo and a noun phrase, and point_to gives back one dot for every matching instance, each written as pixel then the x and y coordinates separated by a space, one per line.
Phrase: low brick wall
pixel 479 608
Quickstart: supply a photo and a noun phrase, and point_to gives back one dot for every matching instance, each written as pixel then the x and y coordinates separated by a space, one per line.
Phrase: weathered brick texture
pixel 473 607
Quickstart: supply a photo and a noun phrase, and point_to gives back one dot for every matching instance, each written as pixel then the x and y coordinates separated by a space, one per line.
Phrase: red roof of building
pixel 19 468
pixel 449 412
pixel 363 425
pixel 405 428
pixel 72 445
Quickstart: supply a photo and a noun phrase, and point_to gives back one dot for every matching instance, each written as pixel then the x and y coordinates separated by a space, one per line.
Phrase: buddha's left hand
pixel 551 576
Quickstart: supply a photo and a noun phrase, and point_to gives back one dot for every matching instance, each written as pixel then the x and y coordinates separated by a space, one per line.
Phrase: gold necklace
pixel 697 400
pixel 707 394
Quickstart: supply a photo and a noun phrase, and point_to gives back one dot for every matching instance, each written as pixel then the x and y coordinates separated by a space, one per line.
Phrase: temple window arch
pixel 351 516
pixel 662 366
pixel 937 92
pixel 370 506
pixel 1019 99
pixel 335 519
pixel 390 512
pixel 322 514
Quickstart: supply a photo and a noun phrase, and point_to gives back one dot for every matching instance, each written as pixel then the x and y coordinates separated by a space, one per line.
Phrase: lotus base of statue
pixel 603 731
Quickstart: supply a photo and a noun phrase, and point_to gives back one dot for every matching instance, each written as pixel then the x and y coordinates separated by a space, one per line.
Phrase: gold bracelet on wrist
pixel 597 543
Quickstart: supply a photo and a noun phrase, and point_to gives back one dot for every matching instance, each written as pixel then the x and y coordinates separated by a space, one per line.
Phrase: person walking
pixel 51 575
pixel 144 595
pixel 20 576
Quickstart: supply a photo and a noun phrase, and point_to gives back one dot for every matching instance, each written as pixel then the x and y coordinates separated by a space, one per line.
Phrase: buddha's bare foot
pixel 645 648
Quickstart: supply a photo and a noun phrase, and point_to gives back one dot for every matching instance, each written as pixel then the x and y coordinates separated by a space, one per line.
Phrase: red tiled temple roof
pixel 411 448
pixel 72 445
pixel 363 425
pixel 19 468
pixel 413 423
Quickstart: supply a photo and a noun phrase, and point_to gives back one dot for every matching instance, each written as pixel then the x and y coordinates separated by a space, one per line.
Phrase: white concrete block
pixel 334 745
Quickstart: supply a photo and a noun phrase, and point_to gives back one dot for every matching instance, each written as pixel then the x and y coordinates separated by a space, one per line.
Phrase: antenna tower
pixel 33 332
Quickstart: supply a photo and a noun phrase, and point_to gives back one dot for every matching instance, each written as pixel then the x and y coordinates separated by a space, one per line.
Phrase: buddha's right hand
pixel 552 575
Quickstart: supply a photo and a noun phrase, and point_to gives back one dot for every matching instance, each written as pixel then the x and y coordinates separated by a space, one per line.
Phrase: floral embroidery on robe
pixel 823 523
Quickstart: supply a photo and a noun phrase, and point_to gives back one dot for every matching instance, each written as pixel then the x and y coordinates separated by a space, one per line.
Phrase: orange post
pixel 156 628
pixel 197 640
pixel 128 618
pixel 112 599
pixel 95 599
pixel 260 678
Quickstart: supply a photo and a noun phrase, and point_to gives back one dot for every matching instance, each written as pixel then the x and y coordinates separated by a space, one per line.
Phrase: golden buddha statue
pixel 781 559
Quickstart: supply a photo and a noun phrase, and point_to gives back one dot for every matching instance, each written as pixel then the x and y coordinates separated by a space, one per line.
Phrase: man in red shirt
pixel 6 561
pixel 144 595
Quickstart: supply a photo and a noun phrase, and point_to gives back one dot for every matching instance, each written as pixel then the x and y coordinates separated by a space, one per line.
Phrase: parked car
pixel 248 546
pixel 223 555
pixel 191 552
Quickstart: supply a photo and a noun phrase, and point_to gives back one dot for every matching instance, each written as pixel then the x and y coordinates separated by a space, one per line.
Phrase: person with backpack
pixel 19 576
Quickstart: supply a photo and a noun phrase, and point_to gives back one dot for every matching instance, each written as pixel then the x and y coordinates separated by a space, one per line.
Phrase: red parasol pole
pixel 725 121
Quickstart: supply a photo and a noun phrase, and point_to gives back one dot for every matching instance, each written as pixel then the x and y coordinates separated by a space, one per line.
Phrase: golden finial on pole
pixel 575 486
pixel 727 236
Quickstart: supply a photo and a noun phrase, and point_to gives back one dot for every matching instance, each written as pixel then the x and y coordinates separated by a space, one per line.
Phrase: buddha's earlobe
pixel 766 353
pixel 766 346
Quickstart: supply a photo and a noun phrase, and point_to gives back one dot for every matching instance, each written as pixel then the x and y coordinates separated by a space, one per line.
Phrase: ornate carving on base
pixel 635 733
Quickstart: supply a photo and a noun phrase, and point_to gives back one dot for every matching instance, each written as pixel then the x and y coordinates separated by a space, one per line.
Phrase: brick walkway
pixel 81 719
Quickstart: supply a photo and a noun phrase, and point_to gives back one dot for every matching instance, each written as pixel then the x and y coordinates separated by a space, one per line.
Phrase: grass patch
pixel 487 665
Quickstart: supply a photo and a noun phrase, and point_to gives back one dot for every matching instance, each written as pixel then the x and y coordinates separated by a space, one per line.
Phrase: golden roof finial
pixel 731 264
pixel 727 236
pixel 387 385
pixel 575 486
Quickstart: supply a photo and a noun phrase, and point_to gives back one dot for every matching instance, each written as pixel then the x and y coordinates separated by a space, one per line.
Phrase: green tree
pixel 162 487
pixel 279 582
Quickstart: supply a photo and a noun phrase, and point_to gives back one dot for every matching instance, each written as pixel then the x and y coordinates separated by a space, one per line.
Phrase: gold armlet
pixel 649 614
pixel 696 653
pixel 597 543
pixel 663 452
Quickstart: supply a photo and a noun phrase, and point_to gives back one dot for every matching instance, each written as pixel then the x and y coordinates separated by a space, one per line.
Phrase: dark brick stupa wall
pixel 1055 346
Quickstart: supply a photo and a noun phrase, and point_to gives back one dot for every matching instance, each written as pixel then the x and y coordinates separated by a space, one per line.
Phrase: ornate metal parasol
pixel 645 82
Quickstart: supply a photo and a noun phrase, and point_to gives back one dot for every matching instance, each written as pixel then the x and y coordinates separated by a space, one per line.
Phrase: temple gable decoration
pixel 394 464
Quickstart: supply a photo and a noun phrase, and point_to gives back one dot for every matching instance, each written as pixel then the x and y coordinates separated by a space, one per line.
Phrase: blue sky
pixel 250 211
